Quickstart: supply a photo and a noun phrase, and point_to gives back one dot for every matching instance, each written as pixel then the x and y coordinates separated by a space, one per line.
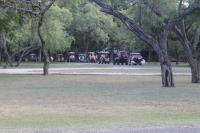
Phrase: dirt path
pixel 146 71
pixel 184 129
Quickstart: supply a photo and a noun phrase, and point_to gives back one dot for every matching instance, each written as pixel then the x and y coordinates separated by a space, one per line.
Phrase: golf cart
pixel 92 58
pixel 33 57
pixel 120 57
pixel 82 58
pixel 72 56
pixel 136 59
pixel 104 57
pixel 60 58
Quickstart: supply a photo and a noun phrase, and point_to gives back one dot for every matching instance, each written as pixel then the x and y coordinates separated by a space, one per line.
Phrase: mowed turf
pixel 76 102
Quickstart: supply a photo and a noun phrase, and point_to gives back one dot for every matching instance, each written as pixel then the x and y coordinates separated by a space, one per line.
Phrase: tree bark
pixel 166 68
pixel 191 52
pixel 44 49
pixel 195 70
pixel 46 62
pixel 193 62
pixel 166 71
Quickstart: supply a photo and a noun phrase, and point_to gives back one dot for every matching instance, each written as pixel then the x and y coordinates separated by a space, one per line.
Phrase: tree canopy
pixel 170 28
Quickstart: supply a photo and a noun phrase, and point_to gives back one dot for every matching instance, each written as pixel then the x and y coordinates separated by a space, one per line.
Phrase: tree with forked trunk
pixel 191 49
pixel 46 57
pixel 33 9
pixel 191 44
pixel 189 41
pixel 158 44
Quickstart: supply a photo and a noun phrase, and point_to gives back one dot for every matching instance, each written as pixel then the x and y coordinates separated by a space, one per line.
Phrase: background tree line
pixel 170 28
pixel 75 26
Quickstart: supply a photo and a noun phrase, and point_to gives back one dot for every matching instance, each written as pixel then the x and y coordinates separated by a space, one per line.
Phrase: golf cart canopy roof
pixel 71 52
pixel 82 54
pixel 102 52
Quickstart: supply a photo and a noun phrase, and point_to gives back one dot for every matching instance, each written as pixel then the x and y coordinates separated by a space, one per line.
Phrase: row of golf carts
pixel 90 57
pixel 122 57
pixel 118 58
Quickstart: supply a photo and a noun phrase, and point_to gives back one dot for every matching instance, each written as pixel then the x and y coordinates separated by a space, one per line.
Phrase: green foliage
pixel 22 37
pixel 56 21
pixel 78 24
pixel 10 22
pixel 25 34
pixel 91 23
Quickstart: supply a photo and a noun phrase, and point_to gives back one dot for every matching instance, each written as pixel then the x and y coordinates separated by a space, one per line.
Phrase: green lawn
pixel 74 102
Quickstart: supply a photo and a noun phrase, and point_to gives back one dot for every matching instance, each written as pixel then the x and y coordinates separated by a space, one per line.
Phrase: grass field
pixel 75 102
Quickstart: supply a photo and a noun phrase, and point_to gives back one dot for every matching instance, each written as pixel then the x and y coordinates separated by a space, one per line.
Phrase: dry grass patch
pixel 31 101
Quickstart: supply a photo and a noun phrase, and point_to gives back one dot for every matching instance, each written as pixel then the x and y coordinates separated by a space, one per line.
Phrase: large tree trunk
pixel 190 46
pixel 190 52
pixel 46 62
pixel 195 70
pixel 193 61
pixel 166 68
pixel 44 49
pixel 167 74
pixel 42 41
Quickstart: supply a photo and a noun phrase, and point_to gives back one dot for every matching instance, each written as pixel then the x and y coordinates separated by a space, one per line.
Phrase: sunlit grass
pixel 60 101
